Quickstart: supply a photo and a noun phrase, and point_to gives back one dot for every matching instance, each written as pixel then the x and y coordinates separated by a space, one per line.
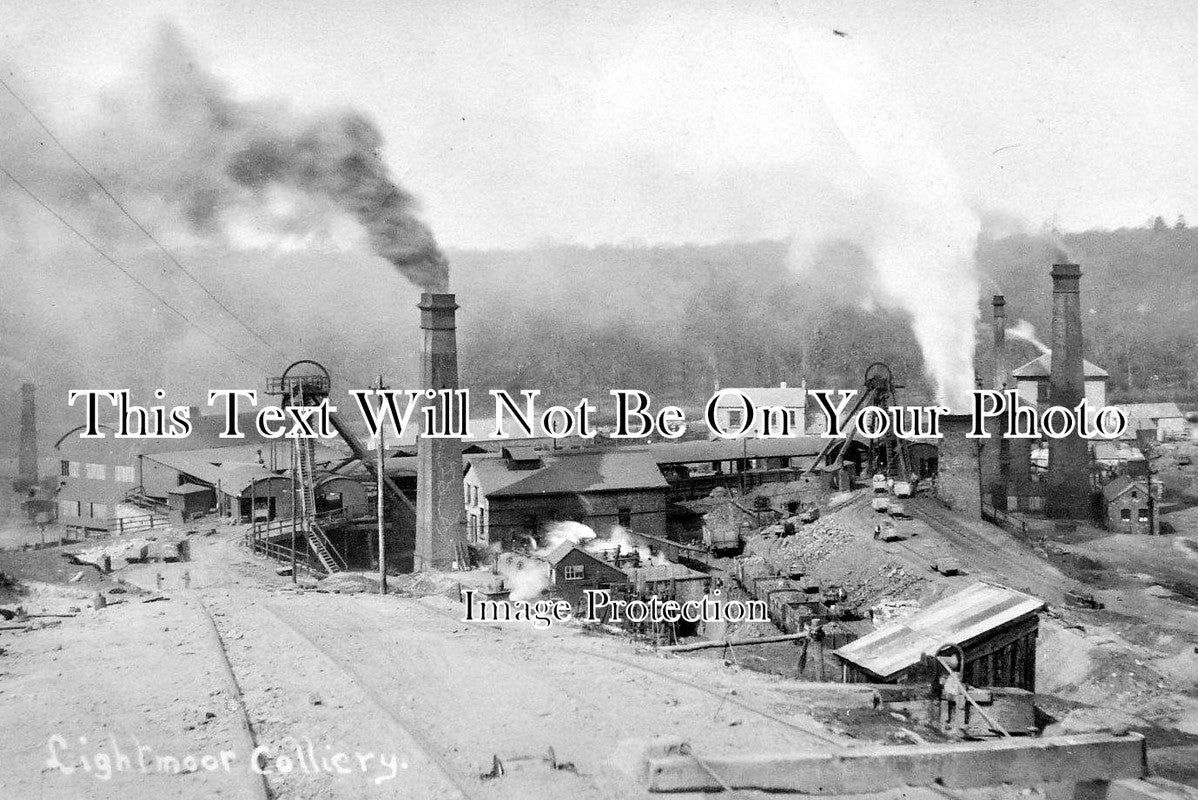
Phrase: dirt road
pixel 352 696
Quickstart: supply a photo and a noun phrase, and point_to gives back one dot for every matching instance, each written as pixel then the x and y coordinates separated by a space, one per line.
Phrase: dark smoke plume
pixel 261 146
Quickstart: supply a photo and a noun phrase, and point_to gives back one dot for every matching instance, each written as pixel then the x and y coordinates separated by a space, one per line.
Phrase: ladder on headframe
pixel 318 540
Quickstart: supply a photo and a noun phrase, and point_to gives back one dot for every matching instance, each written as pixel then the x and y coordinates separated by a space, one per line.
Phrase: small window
pixel 573 572
pixel 125 474
pixel 1125 515
pixel 1135 495
pixel 75 467
pixel 65 468
pixel 97 472
pixel 624 517
pixel 1143 515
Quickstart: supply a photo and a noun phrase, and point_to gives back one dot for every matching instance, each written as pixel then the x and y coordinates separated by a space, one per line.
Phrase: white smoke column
pixel 525 577
pixel 1025 331
pixel 568 531
pixel 920 234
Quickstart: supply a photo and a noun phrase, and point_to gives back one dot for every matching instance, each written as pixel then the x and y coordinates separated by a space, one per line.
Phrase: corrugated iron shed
pixel 959 619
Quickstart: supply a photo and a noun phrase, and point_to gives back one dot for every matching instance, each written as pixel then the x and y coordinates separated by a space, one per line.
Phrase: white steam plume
pixel 568 531
pixel 1025 331
pixel 910 217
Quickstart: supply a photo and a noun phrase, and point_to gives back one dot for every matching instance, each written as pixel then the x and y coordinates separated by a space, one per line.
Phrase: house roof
pixel 760 396
pixel 569 473
pixel 665 572
pixel 1120 486
pixel 190 488
pixel 233 468
pixel 730 449
pixel 958 619
pixel 521 453
pixel 563 549
pixel 205 432
pixel 1149 412
pixel 1041 367
pixel 1115 451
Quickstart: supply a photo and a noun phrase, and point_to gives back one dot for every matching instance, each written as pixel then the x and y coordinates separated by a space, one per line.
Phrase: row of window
pixel 75 508
pixel 1125 515
pixel 97 472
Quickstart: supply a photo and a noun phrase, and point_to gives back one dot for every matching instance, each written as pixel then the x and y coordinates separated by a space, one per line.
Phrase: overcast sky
pixel 678 121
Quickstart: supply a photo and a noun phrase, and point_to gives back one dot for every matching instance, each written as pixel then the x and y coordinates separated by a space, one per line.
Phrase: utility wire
pixel 124 270
pixel 132 219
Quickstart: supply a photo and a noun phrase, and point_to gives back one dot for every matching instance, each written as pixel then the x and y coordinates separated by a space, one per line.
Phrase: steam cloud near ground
pixel 528 576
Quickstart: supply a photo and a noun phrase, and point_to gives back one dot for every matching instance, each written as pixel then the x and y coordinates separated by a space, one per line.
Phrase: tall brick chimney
pixel 1000 341
pixel 27 476
pixel 1067 488
pixel 995 456
pixel 439 461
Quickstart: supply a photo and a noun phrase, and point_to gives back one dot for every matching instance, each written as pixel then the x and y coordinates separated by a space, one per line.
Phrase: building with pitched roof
pixel 1131 506
pixel 1033 378
pixel 1164 420
pixel 572 571
pixel 513 497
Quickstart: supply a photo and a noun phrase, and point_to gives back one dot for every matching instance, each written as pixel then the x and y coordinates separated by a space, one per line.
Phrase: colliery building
pixel 512 496
pixel 96 476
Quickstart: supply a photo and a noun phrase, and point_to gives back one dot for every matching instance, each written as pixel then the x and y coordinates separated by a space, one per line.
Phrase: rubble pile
pixel 833 553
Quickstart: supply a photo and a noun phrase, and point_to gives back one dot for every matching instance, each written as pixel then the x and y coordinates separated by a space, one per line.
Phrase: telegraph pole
pixel 294 518
pixel 378 462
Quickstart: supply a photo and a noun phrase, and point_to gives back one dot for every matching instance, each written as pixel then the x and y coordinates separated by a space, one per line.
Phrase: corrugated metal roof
pixel 1041 367
pixel 954 620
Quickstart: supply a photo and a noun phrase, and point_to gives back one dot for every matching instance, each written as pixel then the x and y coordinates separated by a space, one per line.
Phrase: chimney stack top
pixel 1066 278
pixel 437 311
pixel 999 303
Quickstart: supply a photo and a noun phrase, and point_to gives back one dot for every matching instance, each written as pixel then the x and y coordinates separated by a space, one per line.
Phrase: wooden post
pixel 378 448
pixel 294 466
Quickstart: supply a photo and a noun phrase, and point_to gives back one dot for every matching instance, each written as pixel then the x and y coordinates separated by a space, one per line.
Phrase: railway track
pixel 723 697
pixel 453 783
pixel 1027 567
pixel 403 721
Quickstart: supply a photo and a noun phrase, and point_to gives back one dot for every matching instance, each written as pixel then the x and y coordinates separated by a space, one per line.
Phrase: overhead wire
pixel 142 228
pixel 128 273
pixel 120 206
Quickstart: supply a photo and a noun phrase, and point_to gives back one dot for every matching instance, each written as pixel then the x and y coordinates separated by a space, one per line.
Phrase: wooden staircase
pixel 318 540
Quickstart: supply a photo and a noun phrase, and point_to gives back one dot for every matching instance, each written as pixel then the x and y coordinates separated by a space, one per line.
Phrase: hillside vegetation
pixel 677 321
